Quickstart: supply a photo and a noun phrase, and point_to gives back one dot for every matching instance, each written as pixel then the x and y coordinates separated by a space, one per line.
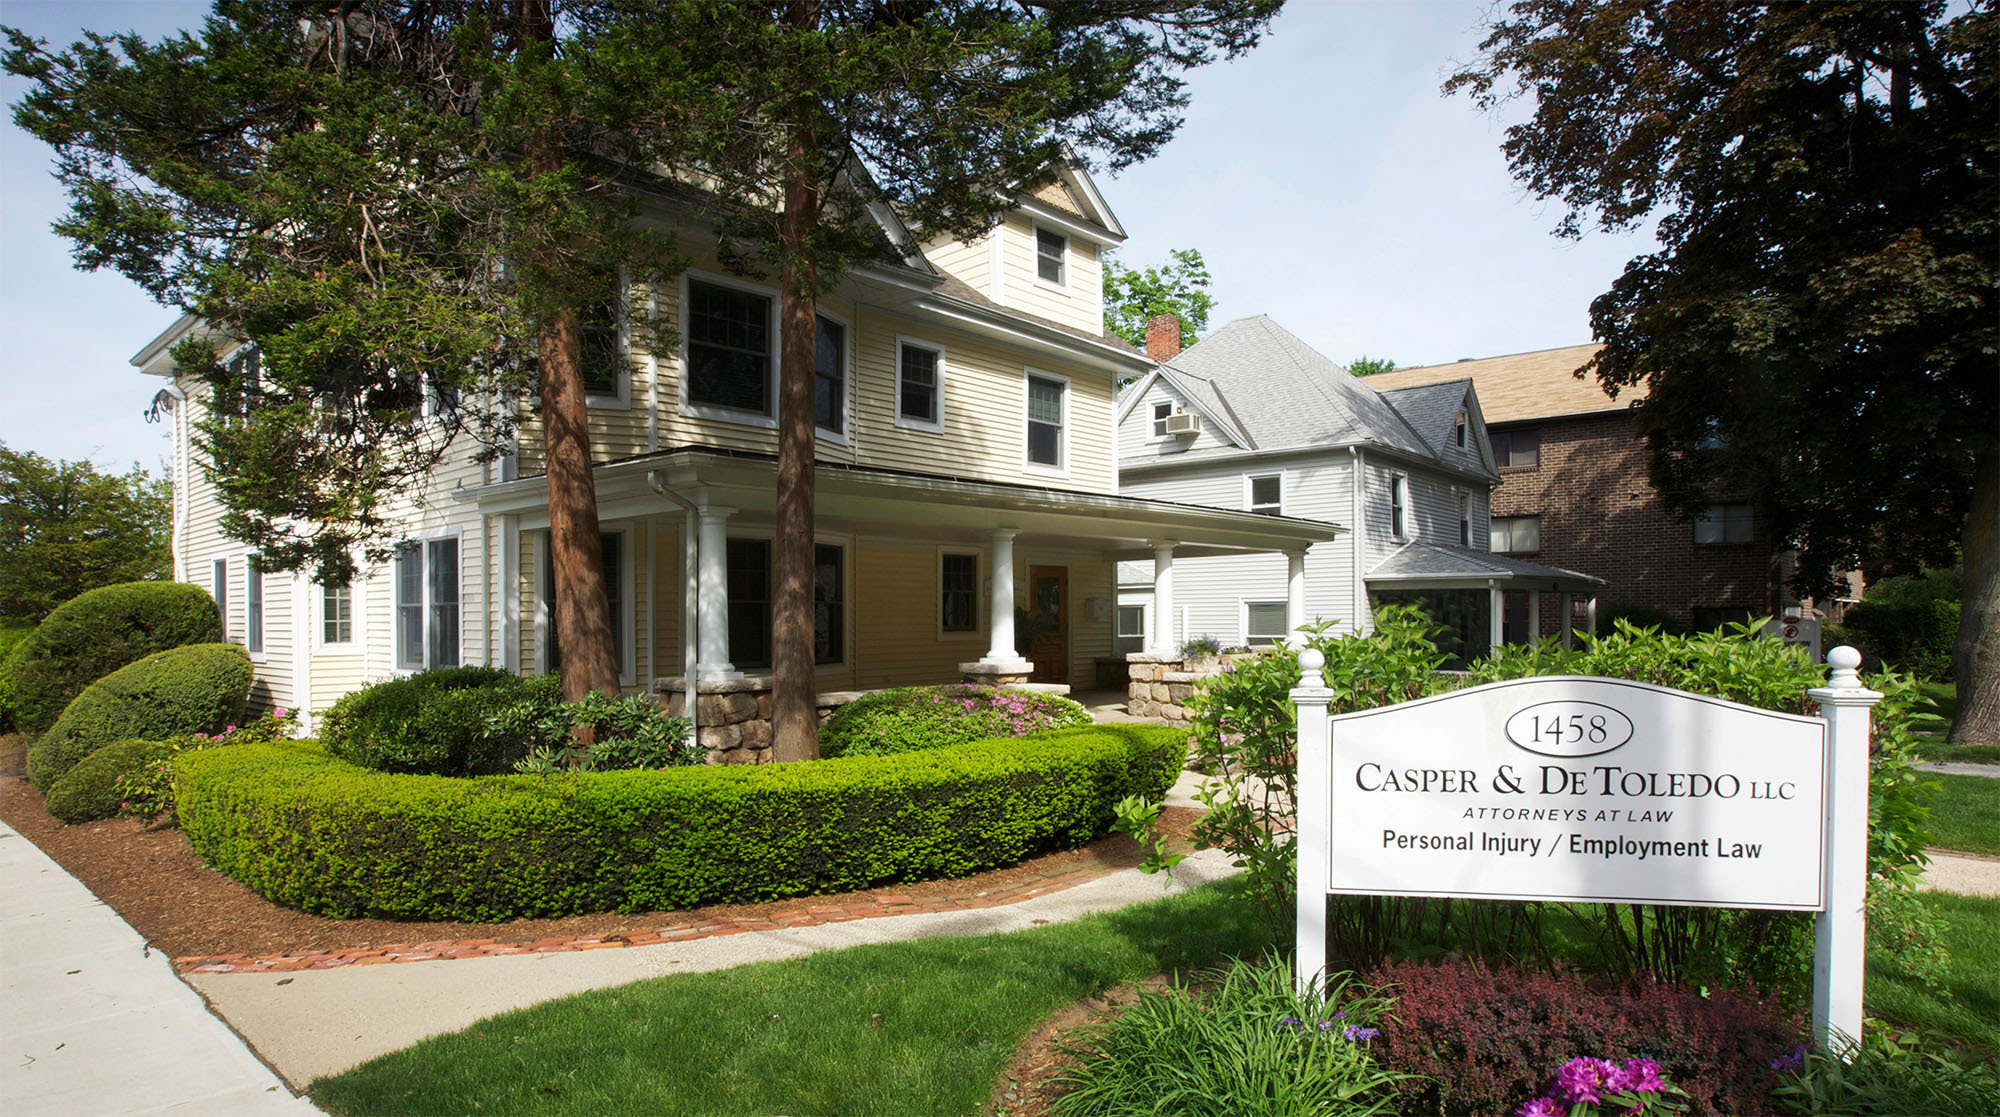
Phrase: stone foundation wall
pixel 1159 686
pixel 736 715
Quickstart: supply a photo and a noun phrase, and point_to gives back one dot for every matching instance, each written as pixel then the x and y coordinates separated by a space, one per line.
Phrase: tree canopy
pixel 1134 296
pixel 1817 330
pixel 65 528
pixel 1369 366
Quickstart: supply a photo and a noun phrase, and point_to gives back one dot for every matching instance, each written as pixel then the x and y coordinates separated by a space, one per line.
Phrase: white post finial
pixel 1310 663
pixel 1846 664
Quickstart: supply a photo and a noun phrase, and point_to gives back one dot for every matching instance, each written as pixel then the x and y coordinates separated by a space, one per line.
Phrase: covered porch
pixel 920 578
pixel 1484 600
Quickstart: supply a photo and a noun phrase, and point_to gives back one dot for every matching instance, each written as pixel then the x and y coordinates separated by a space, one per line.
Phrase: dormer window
pixel 1162 411
pixel 1458 432
pixel 1051 256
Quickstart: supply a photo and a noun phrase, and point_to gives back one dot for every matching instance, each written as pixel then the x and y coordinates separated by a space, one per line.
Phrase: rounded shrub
pixel 926 717
pixel 452 721
pixel 310 831
pixel 200 688
pixel 90 790
pixel 94 634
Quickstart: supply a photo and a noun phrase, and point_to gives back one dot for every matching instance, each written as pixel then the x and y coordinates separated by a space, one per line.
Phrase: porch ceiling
pixel 923 506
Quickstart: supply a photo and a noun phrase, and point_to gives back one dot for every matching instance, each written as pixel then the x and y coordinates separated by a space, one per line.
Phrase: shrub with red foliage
pixel 1485 1040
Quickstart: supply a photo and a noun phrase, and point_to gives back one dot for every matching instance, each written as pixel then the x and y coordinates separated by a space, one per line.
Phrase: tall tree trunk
pixel 794 718
pixel 1976 654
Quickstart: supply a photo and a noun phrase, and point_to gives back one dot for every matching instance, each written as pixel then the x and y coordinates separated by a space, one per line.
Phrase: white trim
pixel 510 594
pixel 653 365
pixel 1035 243
pixel 691 409
pixel 996 262
pixel 846 324
pixel 260 652
pixel 937 389
pixel 1250 492
pixel 978 629
pixel 1061 469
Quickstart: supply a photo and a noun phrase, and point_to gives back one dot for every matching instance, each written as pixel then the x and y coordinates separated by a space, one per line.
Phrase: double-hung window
pixel 1162 411
pixel 1516 535
pixel 1399 506
pixel 1520 448
pixel 1047 402
pixel 830 377
pixel 749 570
pixel 336 614
pixel 427 604
pixel 219 579
pixel 730 346
pixel 1723 523
pixel 919 385
pixel 1051 256
pixel 604 361
pixel 1465 519
pixel 253 604
pixel 958 592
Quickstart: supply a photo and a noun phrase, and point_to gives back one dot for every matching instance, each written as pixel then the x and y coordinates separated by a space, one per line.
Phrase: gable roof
pixel 1281 394
pixel 1521 386
pixel 1433 409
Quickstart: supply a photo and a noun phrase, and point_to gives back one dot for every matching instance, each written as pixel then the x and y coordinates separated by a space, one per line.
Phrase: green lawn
pixel 1965 813
pixel 1934 725
pixel 1968 1008
pixel 920 1027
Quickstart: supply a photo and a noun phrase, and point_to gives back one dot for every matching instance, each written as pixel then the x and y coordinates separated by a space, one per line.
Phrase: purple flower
pixel 1640 1075
pixel 1540 1107
pixel 1327 1025
pixel 1355 1033
pixel 1584 1079
pixel 1291 1022
pixel 1792 1061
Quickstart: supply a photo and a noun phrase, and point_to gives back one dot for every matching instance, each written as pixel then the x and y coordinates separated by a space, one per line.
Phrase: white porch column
pixel 1534 615
pixel 1497 616
pixel 1590 615
pixel 1162 642
pixel 1568 626
pixel 713 580
pixel 1295 597
pixel 1000 601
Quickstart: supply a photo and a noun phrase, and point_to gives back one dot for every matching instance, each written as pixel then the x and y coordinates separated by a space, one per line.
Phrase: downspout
pixel 690 603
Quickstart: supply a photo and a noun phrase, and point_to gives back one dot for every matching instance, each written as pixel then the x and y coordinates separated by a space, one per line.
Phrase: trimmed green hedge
pixel 442 722
pixel 200 688
pixel 94 634
pixel 306 830
pixel 89 791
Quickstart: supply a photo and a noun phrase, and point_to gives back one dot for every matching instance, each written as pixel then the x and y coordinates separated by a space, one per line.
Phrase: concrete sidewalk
pixel 97 1023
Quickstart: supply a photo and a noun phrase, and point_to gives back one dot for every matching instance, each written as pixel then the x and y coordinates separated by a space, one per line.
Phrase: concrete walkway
pixel 96 1023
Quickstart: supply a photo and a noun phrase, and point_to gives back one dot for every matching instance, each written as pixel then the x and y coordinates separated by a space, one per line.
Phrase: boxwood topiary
pixel 90 790
pixel 200 688
pixel 927 717
pixel 315 833
pixel 98 632
pixel 453 721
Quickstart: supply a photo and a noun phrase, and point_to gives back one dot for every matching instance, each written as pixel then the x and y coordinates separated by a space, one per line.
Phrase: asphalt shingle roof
pixel 1436 560
pixel 1433 409
pixel 1521 386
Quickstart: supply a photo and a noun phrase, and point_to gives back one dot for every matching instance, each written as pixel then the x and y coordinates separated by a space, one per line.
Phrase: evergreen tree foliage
pixel 1369 366
pixel 1134 296
pixel 66 528
pixel 1818 328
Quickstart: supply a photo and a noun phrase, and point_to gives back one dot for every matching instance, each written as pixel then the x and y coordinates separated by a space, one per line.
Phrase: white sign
pixel 1796 632
pixel 1570 788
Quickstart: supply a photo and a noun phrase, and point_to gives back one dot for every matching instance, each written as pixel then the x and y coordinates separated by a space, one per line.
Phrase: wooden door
pixel 1048 623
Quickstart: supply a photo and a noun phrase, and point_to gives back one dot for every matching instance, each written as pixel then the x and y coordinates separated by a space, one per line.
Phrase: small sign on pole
pixel 1572 788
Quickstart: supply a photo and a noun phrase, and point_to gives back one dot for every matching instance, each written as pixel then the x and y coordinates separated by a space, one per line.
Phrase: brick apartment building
pixel 1574 493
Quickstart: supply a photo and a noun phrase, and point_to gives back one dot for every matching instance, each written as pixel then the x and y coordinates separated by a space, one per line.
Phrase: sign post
pixel 1572 788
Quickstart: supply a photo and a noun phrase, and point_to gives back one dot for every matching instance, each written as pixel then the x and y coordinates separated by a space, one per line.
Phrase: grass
pixel 1967 1009
pixel 1965 813
pixel 916 1027
pixel 1944 698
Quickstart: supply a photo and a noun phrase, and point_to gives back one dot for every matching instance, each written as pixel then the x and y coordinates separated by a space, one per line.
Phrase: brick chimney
pixel 1163 337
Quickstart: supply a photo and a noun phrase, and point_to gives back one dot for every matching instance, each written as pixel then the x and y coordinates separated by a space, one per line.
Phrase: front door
pixel 1048 623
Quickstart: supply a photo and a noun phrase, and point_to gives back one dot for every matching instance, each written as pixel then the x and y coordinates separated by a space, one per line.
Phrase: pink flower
pixel 1642 1075
pixel 278 713
pixel 1584 1079
pixel 1540 1107
pixel 229 729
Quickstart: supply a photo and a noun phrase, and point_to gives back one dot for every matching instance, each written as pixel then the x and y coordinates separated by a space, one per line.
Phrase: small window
pixel 918 387
pixel 958 593
pixel 1051 252
pixel 1399 506
pixel 1266 493
pixel 604 362
pixel 427 605
pixel 336 611
pixel 1162 411
pixel 253 604
pixel 1264 623
pixel 1723 523
pixel 830 377
pixel 219 579
pixel 1516 535
pixel 728 348
pixel 1045 421
pixel 1458 431
pixel 1132 622
pixel 1465 519
pixel 1520 448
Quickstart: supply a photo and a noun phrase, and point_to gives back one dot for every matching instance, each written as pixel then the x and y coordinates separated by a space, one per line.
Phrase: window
pixel 830 377
pixel 611 545
pixel 219 579
pixel 336 614
pixel 919 390
pixel 1458 431
pixel 427 605
pixel 1132 622
pixel 1265 494
pixel 1517 449
pixel 749 571
pixel 1264 623
pixel 1465 519
pixel 1399 506
pixel 958 592
pixel 604 363
pixel 253 604
pixel 1723 523
pixel 238 397
pixel 1162 411
pixel 728 348
pixel 1045 420
pixel 1050 252
pixel 1515 535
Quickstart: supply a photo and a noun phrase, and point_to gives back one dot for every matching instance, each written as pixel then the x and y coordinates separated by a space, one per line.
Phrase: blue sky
pixel 1324 177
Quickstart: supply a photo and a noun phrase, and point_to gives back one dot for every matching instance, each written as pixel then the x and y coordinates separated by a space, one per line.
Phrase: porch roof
pixel 1436 566
pixel 862 500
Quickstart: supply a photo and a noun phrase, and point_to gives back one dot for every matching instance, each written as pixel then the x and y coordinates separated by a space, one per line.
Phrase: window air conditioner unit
pixel 1183 423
